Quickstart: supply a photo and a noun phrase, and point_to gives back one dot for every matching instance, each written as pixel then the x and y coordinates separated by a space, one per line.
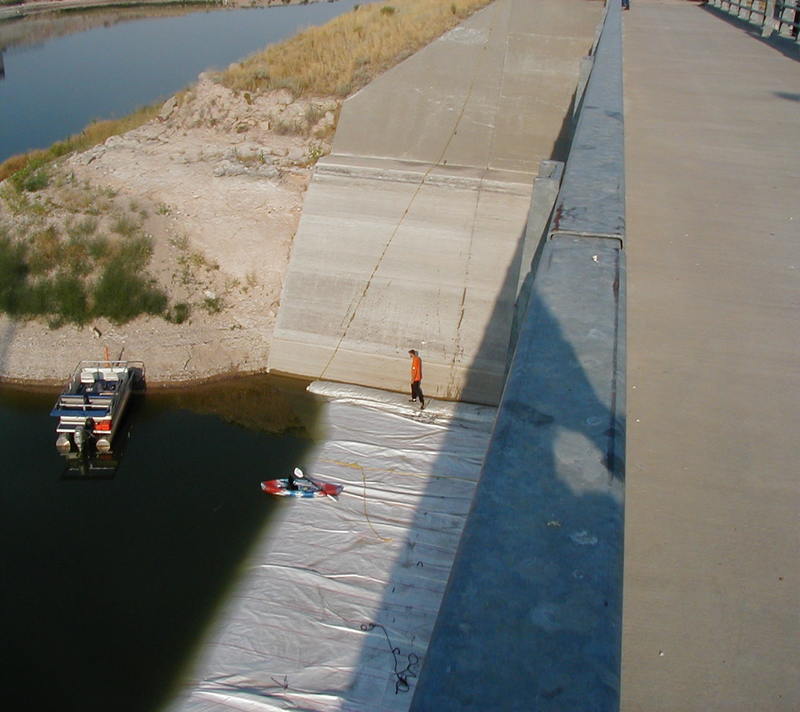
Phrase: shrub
pixel 179 313
pixel 62 299
pixel 122 293
pixel 33 176
pixel 76 258
pixel 45 250
pixel 70 296
pixel 125 225
pixel 99 247
pixel 13 274
pixel 82 229
pixel 213 305
pixel 134 253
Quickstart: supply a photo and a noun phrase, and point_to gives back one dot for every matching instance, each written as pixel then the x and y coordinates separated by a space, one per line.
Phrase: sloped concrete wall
pixel 411 230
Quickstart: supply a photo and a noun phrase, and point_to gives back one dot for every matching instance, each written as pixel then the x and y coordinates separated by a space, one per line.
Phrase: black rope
pixel 401 684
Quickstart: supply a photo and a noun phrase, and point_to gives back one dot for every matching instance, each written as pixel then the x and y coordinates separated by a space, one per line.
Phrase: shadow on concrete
pixel 787 46
pixel 564 139
pixel 789 96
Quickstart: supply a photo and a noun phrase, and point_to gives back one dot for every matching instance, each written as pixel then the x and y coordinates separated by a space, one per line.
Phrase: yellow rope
pixel 366 514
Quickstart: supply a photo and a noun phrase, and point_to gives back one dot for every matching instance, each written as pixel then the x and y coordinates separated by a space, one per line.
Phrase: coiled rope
pixel 401 683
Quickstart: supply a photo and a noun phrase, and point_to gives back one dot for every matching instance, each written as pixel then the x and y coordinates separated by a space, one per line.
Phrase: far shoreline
pixel 32 7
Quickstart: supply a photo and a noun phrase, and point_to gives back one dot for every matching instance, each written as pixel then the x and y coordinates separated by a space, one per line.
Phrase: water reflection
pixel 268 403
pixel 109 582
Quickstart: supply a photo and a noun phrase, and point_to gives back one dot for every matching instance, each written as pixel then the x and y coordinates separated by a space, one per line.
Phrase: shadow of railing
pixel 787 46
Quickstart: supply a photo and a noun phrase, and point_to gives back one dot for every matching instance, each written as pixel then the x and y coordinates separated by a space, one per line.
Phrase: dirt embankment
pixel 217 181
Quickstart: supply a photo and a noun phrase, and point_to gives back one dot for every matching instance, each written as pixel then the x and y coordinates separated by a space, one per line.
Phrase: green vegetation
pixel 74 274
pixel 178 313
pixel 122 292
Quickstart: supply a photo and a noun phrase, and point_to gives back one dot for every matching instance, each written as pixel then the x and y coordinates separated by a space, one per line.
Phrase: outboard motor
pixel 63 444
pixel 83 435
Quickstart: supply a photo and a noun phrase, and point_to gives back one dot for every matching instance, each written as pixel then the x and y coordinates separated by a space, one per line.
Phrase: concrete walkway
pixel 712 121
pixel 411 230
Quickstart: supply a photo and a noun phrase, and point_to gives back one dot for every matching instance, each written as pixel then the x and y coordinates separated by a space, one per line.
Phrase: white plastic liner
pixel 340 598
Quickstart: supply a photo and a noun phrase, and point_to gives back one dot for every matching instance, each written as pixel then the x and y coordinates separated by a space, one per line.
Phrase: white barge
pixel 90 408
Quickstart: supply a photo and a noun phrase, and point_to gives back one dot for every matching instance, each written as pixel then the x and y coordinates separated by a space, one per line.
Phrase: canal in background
pixel 109 582
pixel 53 90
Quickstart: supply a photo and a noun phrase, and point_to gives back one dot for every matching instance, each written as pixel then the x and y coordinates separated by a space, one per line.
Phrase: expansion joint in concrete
pixel 601 238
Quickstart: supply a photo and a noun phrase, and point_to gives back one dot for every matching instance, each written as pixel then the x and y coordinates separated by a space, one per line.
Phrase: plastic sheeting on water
pixel 339 600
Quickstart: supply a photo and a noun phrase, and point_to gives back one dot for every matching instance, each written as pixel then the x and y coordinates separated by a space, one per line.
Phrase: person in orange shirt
pixel 416 379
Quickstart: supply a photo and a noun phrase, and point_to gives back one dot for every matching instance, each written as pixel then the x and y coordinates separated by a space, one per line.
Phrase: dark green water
pixel 109 583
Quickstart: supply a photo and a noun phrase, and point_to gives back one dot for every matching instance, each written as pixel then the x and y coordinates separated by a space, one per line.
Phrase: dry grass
pixel 343 55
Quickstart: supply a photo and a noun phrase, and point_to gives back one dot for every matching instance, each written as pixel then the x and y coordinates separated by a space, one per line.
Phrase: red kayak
pixel 299 485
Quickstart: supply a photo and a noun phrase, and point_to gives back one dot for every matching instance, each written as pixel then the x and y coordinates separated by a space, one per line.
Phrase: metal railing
pixel 781 16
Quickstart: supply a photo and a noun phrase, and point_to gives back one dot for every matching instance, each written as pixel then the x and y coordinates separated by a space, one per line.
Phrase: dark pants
pixel 416 392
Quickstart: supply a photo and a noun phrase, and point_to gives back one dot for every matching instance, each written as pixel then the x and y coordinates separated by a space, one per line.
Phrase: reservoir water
pixel 110 578
pixel 54 89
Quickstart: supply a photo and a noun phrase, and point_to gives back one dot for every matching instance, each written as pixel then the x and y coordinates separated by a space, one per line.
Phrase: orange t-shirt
pixel 416 368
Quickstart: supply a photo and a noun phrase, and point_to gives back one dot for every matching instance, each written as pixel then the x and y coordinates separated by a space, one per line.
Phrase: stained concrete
pixel 712 496
pixel 411 233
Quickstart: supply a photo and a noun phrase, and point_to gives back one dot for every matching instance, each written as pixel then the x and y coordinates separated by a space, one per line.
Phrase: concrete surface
pixel 711 607
pixel 411 230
